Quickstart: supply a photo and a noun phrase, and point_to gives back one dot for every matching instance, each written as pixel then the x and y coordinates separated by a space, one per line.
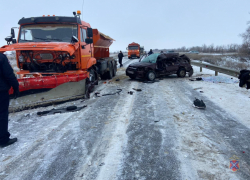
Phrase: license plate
pixel 131 72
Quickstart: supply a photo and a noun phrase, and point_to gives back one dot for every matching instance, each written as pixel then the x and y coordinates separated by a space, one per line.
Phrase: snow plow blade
pixel 62 93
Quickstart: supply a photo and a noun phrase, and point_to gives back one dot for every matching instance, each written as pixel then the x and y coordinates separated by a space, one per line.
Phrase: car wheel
pixel 151 75
pixel 181 72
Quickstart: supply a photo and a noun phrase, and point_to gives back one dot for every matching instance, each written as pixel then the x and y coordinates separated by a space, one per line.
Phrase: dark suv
pixel 156 65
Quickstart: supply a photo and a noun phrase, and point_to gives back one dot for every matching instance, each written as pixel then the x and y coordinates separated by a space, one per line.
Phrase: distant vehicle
pixel 193 52
pixel 157 65
pixel 134 50
pixel 171 51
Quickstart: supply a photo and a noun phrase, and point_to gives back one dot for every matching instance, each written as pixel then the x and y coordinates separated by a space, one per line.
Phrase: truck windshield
pixel 133 48
pixel 47 33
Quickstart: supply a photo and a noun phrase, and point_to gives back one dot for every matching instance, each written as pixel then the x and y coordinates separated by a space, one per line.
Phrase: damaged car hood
pixel 48 46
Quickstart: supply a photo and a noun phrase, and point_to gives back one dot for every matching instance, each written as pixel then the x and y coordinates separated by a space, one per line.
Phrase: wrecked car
pixel 156 65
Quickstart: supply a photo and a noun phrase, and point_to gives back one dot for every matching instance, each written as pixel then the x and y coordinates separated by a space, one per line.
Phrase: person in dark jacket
pixel 150 52
pixel 244 78
pixel 7 80
pixel 120 56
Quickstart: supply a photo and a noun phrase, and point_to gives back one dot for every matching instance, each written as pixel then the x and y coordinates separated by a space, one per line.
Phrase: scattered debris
pixel 102 164
pixel 156 120
pixel 117 79
pixel 130 92
pixel 201 92
pixel 199 104
pixel 97 94
pixel 196 79
pixel 198 88
pixel 117 92
pixel 136 89
pixel 89 163
pixel 62 110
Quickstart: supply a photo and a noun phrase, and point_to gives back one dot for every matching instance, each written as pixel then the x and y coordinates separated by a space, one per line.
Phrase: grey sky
pixel 152 23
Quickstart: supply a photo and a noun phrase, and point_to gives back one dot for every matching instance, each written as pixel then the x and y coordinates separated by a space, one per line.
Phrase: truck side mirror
pixel 12 33
pixel 89 32
pixel 127 48
pixel 8 39
pixel 88 41
pixel 74 39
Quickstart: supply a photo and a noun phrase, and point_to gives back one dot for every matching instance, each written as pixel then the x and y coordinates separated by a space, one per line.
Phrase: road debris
pixel 102 164
pixel 62 110
pixel 117 92
pixel 197 88
pixel 199 104
pixel 130 92
pixel 136 89
pixel 196 79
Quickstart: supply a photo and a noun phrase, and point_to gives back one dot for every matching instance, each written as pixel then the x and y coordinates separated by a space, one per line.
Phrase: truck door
pixel 85 48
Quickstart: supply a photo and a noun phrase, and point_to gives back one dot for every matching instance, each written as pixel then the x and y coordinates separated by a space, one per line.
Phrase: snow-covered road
pixel 153 134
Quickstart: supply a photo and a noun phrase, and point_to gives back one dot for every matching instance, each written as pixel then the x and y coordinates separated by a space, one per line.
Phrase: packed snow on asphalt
pixel 155 133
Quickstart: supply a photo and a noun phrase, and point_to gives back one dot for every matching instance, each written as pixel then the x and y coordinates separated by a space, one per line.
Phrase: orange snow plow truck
pixel 62 55
pixel 133 50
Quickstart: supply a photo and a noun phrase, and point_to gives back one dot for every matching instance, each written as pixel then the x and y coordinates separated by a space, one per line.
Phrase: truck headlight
pixel 21 58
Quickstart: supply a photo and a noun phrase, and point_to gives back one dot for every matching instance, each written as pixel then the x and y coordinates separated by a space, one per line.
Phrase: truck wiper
pixel 26 40
pixel 46 39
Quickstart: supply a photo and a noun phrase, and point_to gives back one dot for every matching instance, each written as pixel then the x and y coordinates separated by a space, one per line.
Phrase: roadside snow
pixel 229 96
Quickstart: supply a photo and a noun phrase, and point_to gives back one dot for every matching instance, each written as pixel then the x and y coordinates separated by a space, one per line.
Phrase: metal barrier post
pixel 216 73
pixel 200 69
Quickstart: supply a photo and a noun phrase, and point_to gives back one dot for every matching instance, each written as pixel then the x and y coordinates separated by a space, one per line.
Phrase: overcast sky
pixel 151 23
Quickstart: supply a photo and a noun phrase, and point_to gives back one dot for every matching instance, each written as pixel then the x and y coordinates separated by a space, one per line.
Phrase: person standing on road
pixel 120 56
pixel 7 80
pixel 150 52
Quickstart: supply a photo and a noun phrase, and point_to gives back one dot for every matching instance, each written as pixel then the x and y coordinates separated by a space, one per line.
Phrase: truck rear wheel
pixel 114 69
pixel 110 72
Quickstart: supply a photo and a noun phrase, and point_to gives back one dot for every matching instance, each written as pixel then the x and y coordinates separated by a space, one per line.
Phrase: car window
pixel 151 58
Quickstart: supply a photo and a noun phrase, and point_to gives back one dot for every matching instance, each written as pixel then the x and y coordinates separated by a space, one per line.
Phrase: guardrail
pixel 217 69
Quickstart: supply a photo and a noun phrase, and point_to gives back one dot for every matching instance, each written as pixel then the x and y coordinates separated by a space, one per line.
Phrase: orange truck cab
pixel 60 45
pixel 133 50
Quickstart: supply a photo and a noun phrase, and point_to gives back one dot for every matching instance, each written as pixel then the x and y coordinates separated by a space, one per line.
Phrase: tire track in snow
pixel 150 149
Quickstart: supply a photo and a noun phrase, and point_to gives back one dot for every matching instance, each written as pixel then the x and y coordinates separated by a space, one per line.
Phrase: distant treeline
pixel 231 48
pixel 243 48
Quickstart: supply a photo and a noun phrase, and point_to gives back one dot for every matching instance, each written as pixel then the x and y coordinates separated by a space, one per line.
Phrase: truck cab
pixel 55 45
pixel 133 50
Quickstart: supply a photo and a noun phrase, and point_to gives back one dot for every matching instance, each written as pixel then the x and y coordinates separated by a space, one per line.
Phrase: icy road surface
pixel 152 134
